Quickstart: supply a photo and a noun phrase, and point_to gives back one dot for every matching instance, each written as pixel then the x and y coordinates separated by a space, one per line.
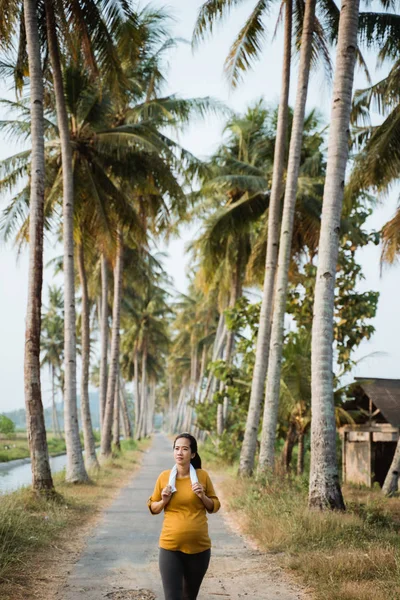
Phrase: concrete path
pixel 121 554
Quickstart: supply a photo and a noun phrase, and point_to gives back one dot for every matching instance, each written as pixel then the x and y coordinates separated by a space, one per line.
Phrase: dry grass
pixel 341 556
pixel 36 534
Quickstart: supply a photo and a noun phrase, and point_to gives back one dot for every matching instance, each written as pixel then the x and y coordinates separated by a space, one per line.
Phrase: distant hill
pixel 19 416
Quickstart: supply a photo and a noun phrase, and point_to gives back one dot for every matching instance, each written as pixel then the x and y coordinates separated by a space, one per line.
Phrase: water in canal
pixel 15 476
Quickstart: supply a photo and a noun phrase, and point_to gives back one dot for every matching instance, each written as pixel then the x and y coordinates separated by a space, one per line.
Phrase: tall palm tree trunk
pixel 287 452
pixel 143 394
pixel 202 370
pixel 56 424
pixel 324 491
pixel 248 451
pixel 300 453
pixel 391 483
pixel 114 359
pixel 217 349
pixel 171 404
pixel 150 422
pixel 76 471
pixel 270 417
pixel 104 338
pixel 138 403
pixel 88 437
pixel 41 475
pixel 176 423
pixel 230 344
pixel 126 420
pixel 116 421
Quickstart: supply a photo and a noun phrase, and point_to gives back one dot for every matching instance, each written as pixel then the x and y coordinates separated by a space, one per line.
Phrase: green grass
pixel 16 446
pixel 30 524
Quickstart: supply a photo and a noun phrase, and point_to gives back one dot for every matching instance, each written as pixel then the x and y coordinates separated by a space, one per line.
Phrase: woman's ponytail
pixel 196 461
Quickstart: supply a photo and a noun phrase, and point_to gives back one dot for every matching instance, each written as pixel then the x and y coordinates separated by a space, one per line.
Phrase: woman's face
pixel 182 452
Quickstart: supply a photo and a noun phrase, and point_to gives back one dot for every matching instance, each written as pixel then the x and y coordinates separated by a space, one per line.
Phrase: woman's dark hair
pixel 196 460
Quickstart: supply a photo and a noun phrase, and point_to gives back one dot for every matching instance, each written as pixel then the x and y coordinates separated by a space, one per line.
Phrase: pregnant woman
pixel 185 493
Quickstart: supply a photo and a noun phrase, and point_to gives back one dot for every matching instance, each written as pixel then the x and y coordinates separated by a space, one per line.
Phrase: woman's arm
pixel 157 506
pixel 199 491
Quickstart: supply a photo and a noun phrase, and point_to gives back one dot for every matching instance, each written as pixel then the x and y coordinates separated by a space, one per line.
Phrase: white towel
pixel 174 472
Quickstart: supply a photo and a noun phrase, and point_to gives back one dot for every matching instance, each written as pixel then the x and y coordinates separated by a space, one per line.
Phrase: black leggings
pixel 182 573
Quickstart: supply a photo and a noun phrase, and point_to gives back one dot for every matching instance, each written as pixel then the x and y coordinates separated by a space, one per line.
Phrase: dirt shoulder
pixel 246 571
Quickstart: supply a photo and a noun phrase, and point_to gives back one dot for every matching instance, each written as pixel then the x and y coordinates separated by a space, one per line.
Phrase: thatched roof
pixel 385 395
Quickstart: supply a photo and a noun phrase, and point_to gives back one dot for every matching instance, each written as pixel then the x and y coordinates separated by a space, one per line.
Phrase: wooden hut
pixel 369 445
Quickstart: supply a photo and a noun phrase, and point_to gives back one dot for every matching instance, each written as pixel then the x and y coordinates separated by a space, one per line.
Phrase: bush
pixel 6 425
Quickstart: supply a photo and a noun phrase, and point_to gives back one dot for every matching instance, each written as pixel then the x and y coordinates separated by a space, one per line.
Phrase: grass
pixel 16 446
pixel 341 556
pixel 30 524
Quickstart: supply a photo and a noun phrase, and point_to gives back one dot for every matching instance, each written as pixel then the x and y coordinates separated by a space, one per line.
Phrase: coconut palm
pixel 52 345
pixel 88 436
pixel 17 17
pixel 41 475
pixel 145 339
pixel 324 479
pixel 266 458
pixel 377 166
pixel 247 48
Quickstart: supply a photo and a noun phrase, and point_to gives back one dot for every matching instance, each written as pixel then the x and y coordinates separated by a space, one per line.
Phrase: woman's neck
pixel 183 470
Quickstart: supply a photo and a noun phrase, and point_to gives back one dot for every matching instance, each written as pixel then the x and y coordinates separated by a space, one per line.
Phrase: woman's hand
pixel 166 494
pixel 198 490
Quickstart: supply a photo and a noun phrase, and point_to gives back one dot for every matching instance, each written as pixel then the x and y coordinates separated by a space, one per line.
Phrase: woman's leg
pixel 171 569
pixel 195 567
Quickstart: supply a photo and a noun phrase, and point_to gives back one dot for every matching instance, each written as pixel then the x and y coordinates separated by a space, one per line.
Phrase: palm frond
pixel 248 45
pixel 379 164
pixel 391 240
pixel 209 14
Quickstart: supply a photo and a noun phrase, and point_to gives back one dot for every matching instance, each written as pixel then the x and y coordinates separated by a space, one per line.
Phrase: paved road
pixel 121 554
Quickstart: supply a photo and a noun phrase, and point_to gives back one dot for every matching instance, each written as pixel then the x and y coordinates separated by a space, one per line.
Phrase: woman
pixel 185 493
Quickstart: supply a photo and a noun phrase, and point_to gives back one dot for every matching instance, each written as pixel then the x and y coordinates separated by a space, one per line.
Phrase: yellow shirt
pixel 185 526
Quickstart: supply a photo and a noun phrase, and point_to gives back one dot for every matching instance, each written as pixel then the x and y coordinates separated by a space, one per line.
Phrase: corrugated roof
pixel 385 394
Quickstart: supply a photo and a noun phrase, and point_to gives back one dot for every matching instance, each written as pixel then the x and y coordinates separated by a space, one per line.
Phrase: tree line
pixel 106 176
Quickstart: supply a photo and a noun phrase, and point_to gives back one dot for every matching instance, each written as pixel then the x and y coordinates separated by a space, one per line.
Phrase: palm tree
pixel 24 18
pixel 377 165
pixel 295 405
pixel 237 185
pixel 262 349
pixel 89 21
pixel 52 344
pixel 266 459
pixel 324 479
pixel 41 474
pixel 88 437
pixel 75 466
pixel 103 337
pixel 126 418
pixel 112 384
pixel 145 338
pixel 247 48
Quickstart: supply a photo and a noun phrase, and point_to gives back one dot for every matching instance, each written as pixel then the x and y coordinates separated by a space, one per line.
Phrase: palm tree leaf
pixel 382 31
pixel 379 164
pixel 391 240
pixel 211 12
pixel 248 45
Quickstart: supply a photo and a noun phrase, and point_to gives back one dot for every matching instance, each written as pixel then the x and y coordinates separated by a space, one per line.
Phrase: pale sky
pixel 196 76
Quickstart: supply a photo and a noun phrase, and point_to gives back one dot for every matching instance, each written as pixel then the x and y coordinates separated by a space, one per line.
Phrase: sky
pixel 198 75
